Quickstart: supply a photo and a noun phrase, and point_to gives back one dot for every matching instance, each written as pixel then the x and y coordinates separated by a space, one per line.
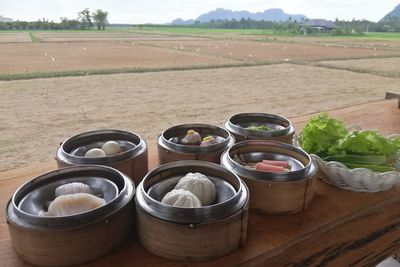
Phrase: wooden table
pixel 339 229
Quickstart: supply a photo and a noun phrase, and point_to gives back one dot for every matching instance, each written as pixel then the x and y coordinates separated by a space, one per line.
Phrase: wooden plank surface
pixel 339 228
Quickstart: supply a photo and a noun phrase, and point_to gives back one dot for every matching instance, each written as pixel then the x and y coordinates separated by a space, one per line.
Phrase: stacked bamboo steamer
pixel 192 234
pixel 132 160
pixel 271 193
pixel 67 240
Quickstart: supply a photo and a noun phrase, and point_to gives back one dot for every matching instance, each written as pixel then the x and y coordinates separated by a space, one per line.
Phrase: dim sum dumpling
pixel 73 188
pixel 111 148
pixel 192 138
pixel 200 185
pixel 181 198
pixel 209 140
pixel 95 153
pixel 73 204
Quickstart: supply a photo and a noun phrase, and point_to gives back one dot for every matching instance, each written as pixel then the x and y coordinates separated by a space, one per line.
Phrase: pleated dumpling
pixel 73 188
pixel 199 185
pixel 65 205
pixel 181 198
pixel 192 138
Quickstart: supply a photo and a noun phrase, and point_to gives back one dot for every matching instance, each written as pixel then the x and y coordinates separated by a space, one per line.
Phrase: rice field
pixel 157 78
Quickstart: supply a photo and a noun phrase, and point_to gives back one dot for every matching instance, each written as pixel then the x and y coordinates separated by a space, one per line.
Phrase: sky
pixel 163 11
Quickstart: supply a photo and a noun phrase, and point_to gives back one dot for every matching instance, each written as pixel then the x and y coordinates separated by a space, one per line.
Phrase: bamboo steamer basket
pixel 274 193
pixel 68 240
pixel 169 151
pixel 132 161
pixel 282 128
pixel 192 234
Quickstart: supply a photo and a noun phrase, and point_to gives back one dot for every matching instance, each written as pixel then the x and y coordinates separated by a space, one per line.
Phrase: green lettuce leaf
pixel 366 142
pixel 321 133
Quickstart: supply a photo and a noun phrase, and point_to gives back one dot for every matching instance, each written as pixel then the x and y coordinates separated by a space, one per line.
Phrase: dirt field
pixel 17 37
pixel 89 55
pixel 38 114
pixel 382 65
pixel 333 41
pixel 44 57
pixel 269 51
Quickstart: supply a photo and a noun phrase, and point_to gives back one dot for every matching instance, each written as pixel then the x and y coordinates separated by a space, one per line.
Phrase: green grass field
pixel 189 31
pixel 197 31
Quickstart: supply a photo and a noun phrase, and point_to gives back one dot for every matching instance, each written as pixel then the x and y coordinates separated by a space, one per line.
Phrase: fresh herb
pixel 321 133
pixel 260 127
pixel 328 138
pixel 366 142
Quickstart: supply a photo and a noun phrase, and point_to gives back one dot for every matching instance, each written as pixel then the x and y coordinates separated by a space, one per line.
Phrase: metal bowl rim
pixel 241 191
pixel 234 128
pixel 70 170
pixel 194 149
pixel 63 155
pixel 265 176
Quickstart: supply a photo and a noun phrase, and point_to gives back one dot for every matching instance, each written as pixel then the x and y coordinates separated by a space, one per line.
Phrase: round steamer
pixel 274 193
pixel 74 239
pixel 133 161
pixel 282 128
pixel 192 234
pixel 169 151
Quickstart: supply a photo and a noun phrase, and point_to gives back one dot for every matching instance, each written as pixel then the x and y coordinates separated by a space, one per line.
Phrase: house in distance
pixel 321 25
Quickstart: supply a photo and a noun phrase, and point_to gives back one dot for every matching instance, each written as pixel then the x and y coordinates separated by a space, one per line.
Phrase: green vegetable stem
pixel 356 159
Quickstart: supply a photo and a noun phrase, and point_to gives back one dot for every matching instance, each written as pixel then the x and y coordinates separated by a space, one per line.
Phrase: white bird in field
pixel 45 54
pixel 53 59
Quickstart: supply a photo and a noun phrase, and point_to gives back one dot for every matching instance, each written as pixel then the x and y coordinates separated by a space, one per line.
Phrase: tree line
pixel 390 24
pixel 86 20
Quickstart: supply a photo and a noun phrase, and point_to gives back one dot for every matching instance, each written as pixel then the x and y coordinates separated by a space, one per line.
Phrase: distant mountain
pixel 182 22
pixel 273 14
pixel 394 13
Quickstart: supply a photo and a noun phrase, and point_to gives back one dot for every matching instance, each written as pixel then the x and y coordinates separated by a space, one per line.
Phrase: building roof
pixel 319 23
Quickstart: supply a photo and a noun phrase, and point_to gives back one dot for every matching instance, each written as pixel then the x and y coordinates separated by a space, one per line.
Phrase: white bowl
pixel 358 179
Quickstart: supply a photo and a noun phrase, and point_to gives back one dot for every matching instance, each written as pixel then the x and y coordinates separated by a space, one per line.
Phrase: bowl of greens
pixel 351 158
